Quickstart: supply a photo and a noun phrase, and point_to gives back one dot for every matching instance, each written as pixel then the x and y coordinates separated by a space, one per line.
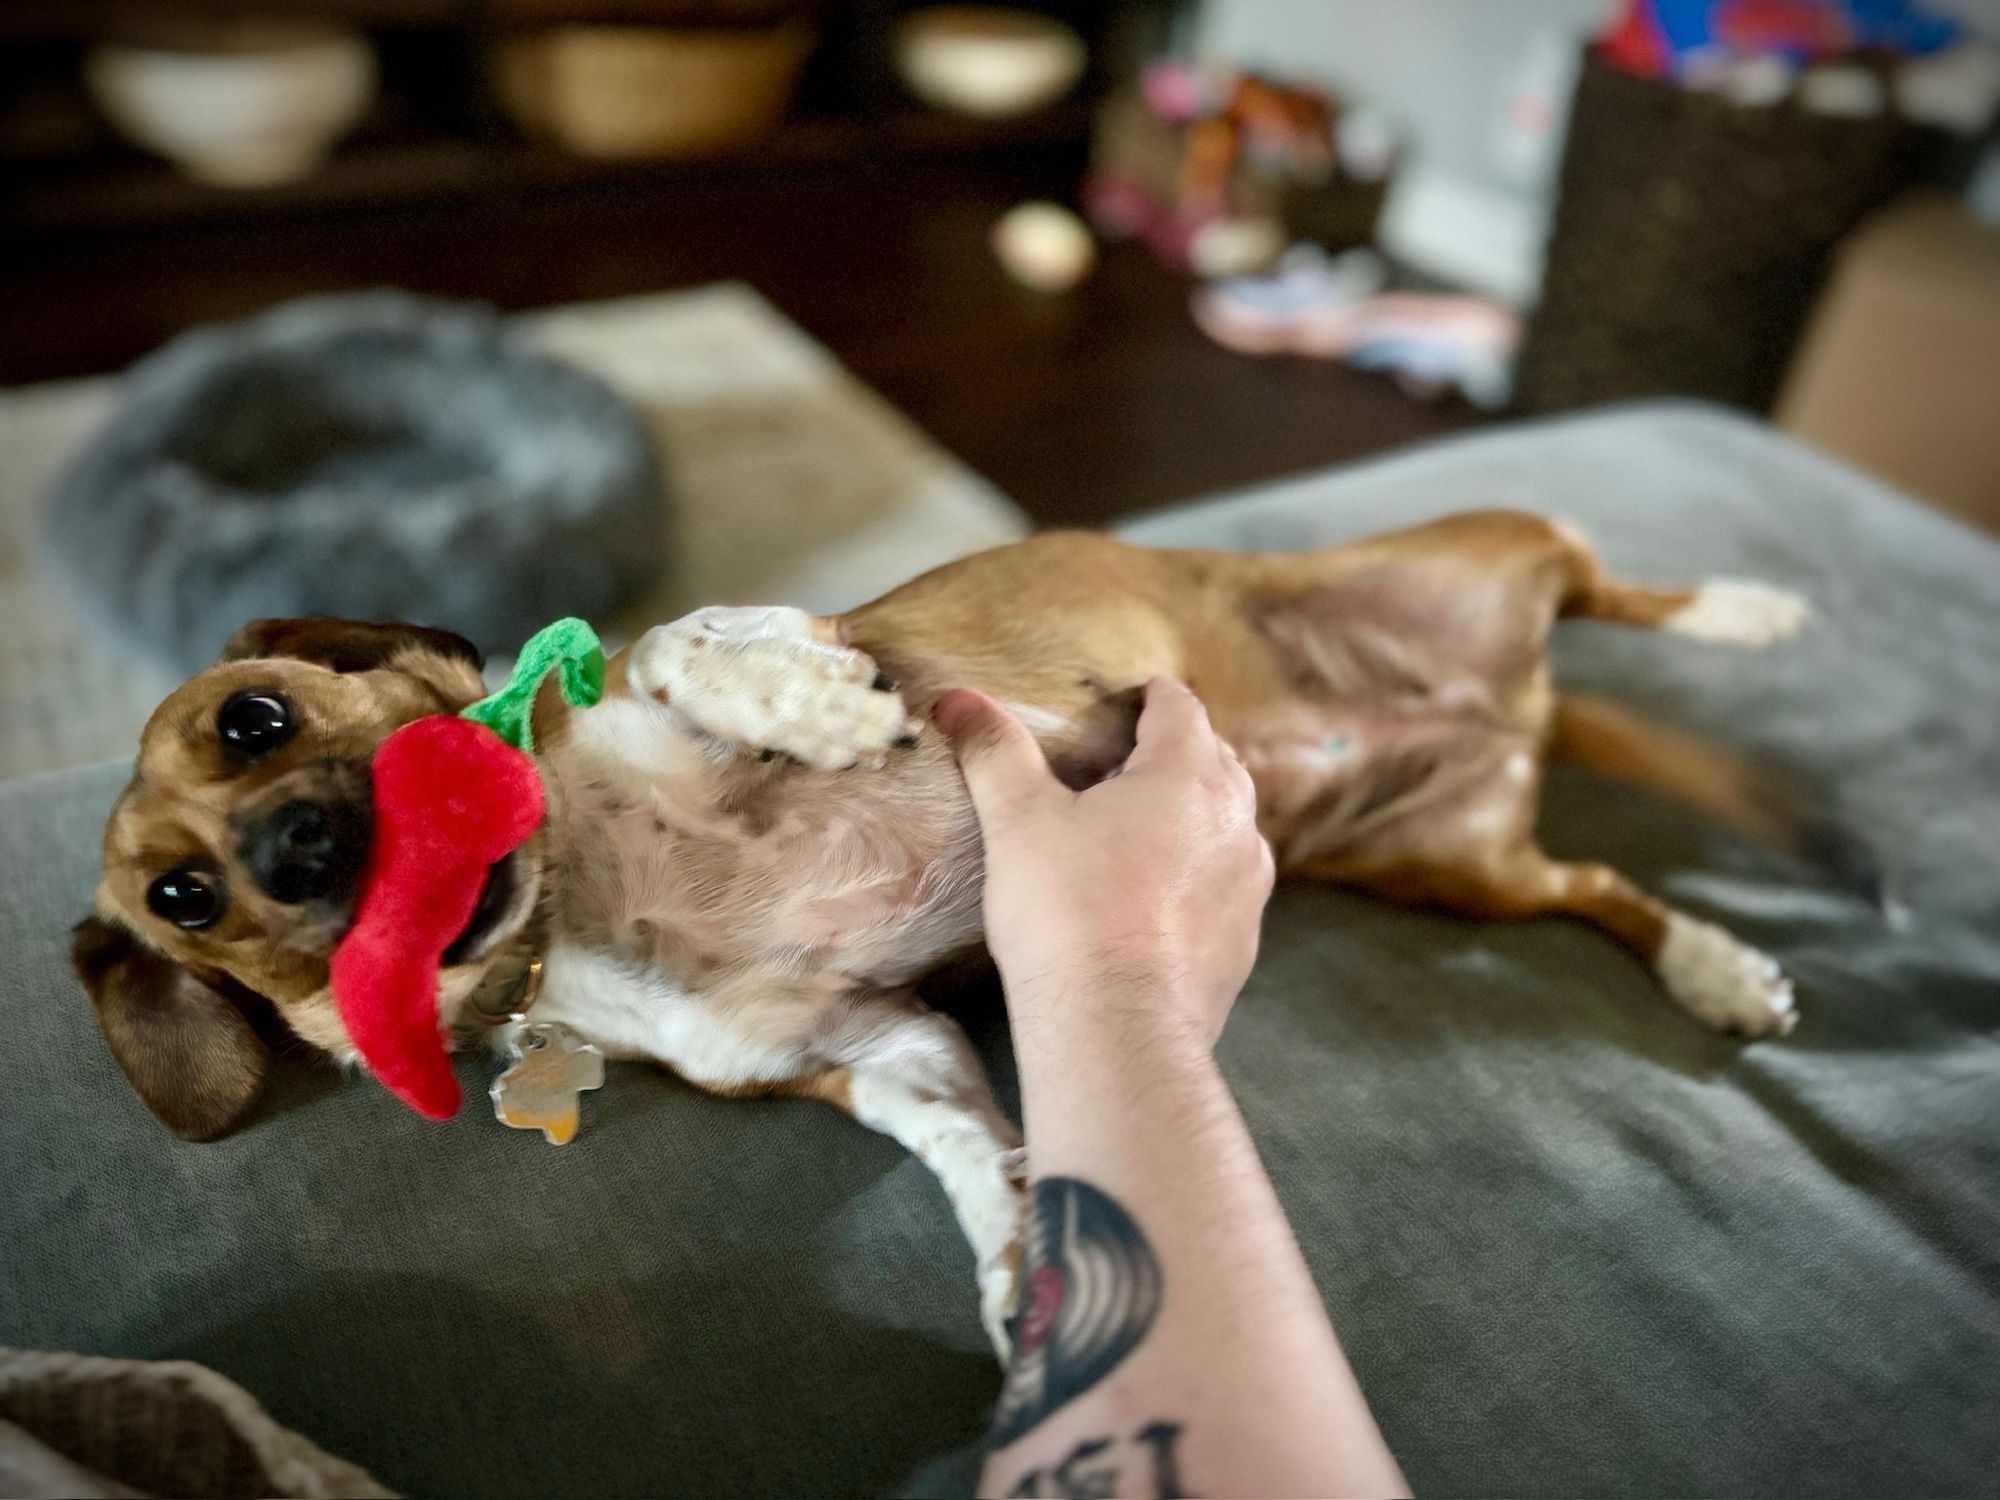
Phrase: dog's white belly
pixel 629 1010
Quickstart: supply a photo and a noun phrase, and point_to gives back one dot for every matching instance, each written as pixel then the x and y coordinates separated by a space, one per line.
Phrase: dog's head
pixel 232 860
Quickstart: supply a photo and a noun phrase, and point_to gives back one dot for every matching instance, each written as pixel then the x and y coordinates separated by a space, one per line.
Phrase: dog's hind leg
pixel 1710 974
pixel 1723 611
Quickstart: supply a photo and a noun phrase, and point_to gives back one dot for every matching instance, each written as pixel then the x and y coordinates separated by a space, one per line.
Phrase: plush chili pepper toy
pixel 452 796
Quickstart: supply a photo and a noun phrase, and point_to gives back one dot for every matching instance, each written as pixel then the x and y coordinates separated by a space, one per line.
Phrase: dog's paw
pixel 771 680
pixel 1726 983
pixel 1733 612
pixel 999 1293
pixel 1000 1268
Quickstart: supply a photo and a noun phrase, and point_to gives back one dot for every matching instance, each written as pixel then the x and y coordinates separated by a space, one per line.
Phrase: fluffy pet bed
pixel 375 455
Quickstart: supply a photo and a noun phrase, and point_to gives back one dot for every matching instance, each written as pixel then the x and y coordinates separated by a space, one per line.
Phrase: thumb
pixel 1003 766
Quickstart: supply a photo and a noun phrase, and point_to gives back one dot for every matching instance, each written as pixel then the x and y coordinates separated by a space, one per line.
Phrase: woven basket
pixel 1691 236
pixel 652 91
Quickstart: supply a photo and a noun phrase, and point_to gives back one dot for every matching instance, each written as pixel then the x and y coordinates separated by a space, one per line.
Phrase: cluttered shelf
pixel 156 114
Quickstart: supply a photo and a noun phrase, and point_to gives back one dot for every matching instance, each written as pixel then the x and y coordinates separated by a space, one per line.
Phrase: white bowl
pixel 261 107
pixel 987 60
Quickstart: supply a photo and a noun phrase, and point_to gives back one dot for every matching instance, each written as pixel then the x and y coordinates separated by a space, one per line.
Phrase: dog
pixel 756 844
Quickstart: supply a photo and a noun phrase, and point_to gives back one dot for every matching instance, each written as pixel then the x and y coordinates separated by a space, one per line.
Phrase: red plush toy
pixel 451 797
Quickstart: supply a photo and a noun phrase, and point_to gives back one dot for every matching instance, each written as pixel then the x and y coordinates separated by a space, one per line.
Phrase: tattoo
pixel 1098 1469
pixel 1161 1437
pixel 1090 1288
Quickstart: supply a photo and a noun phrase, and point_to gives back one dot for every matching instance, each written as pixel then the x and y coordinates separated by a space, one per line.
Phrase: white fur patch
pixel 646 736
pixel 1039 721
pixel 1737 612
pixel 1726 983
pixel 973 1165
pixel 631 1011
pixel 763 679
pixel 917 1079
pixel 914 1077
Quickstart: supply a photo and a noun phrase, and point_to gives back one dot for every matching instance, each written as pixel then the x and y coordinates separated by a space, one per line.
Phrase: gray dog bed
pixel 375 455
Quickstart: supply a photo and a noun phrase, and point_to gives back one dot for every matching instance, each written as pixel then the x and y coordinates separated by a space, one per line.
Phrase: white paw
pixel 1723 982
pixel 999 1285
pixel 1731 612
pixel 763 678
pixel 1000 1270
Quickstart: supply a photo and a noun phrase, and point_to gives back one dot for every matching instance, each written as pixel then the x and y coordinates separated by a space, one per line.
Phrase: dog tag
pixel 539 1091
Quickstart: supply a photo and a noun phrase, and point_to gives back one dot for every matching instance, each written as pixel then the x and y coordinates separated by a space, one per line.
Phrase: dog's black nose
pixel 307 851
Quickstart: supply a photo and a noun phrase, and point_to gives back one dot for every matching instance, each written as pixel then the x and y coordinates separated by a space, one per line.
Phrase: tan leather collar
pixel 499 1000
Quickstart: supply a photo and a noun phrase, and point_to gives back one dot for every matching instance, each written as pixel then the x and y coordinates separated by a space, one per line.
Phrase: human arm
pixel 1170 1339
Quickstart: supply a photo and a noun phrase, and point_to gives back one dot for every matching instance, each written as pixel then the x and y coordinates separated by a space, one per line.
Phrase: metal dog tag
pixel 539 1091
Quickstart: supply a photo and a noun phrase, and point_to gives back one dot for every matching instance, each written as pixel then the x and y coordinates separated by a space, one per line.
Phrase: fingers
pixel 1172 725
pixel 1234 771
pixel 1004 768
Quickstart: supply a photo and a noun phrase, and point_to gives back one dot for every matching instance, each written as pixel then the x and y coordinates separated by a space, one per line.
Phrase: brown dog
pixel 753 849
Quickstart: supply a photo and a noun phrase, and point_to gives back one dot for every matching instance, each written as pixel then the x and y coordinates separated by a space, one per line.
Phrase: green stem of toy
pixel 571 649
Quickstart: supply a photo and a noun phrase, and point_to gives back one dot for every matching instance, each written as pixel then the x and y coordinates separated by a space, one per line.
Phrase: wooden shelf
pixel 131 193
pixel 145 194
pixel 807 142
pixel 82 20
pixel 85 20
pixel 659 12
pixel 441 136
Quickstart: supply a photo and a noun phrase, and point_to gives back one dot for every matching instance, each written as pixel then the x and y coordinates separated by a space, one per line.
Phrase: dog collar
pixel 513 1001
pixel 496 1003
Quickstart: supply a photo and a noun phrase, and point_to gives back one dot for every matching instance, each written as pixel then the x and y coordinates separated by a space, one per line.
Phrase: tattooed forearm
pixel 1090 1287
pixel 1100 1468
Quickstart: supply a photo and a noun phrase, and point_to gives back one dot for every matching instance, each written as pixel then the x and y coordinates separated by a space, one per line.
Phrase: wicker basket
pixel 650 91
pixel 1691 236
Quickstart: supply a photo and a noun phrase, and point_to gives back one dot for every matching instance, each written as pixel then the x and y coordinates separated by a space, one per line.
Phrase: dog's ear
pixel 345 645
pixel 187 1048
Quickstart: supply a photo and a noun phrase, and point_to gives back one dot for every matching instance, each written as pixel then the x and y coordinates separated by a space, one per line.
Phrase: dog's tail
pixel 1724 786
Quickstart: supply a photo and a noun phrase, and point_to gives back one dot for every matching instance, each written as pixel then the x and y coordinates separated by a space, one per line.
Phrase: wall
pixel 1443 71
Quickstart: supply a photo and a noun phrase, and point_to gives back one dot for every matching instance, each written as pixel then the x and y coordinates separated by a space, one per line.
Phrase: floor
pixel 1083 407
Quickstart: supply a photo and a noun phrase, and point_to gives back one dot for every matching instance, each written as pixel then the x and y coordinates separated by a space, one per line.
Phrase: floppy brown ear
pixel 189 1051
pixel 345 645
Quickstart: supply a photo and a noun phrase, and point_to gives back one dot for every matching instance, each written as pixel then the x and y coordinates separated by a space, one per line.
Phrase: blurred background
pixel 877 282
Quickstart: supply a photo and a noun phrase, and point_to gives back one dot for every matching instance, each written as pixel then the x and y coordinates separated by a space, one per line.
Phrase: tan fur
pixel 184 800
pixel 1611 741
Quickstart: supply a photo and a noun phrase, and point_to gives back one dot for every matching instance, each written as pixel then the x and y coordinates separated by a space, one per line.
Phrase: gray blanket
pixel 1572 1242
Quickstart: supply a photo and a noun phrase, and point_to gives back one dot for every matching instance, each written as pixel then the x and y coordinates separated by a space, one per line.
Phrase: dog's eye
pixel 186 898
pixel 255 723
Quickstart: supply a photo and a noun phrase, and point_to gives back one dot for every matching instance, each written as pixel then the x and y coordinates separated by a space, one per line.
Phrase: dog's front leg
pixel 911 1073
pixel 771 680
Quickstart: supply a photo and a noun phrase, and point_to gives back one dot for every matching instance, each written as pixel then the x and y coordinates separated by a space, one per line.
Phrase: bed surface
pixel 1572 1242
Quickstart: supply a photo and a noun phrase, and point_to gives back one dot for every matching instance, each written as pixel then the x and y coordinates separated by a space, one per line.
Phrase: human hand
pixel 1145 890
